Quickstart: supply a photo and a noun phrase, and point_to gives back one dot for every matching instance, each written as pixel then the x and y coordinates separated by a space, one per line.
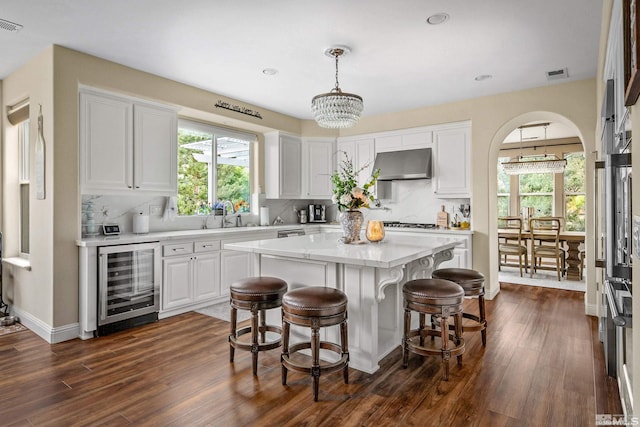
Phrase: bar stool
pixel 315 307
pixel 256 294
pixel 436 297
pixel 473 284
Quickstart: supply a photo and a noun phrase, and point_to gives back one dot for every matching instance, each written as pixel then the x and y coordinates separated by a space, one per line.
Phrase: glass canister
pixel 375 231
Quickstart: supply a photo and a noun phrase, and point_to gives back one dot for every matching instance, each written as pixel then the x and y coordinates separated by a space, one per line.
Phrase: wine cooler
pixel 128 286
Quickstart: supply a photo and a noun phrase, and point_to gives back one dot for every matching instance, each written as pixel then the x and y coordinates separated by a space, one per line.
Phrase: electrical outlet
pixel 155 210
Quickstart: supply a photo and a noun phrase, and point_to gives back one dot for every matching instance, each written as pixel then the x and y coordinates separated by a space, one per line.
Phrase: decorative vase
pixel 351 222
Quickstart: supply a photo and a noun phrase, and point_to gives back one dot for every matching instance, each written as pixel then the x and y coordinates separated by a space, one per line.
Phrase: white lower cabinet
pixel 235 266
pixel 198 273
pixel 462 255
pixel 458 261
pixel 190 275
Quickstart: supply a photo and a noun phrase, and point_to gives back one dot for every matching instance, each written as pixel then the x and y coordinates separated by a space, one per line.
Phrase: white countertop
pixel 396 249
pixel 216 233
pixel 233 232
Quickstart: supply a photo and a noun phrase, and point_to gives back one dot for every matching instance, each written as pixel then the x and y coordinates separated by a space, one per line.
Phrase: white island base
pixel 371 275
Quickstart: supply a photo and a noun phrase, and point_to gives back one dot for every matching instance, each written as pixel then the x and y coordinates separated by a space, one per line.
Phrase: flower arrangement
pixel 346 192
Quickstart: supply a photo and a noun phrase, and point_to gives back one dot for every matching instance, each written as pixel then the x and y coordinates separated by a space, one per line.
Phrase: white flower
pixel 334 199
pixel 345 199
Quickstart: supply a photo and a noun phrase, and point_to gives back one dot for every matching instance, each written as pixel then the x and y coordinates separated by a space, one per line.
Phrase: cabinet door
pixel 451 165
pixel 458 260
pixel 155 155
pixel 290 167
pixel 365 156
pixel 235 265
pixel 176 282
pixel 106 144
pixel 319 163
pixel 362 153
pixel 388 143
pixel 206 276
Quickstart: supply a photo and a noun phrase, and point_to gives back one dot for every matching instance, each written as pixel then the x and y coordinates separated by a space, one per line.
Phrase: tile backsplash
pixel 413 201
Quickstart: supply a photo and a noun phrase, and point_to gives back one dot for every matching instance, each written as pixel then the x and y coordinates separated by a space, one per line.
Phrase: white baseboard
pixel 44 331
pixel 491 293
pixel 590 309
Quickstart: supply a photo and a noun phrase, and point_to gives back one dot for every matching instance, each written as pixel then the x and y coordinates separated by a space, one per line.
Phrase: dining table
pixel 573 239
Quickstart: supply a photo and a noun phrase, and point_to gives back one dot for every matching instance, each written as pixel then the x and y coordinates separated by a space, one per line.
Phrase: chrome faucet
pixel 225 212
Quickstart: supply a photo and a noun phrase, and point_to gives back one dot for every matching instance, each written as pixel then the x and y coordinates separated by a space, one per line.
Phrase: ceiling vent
pixel 9 26
pixel 562 73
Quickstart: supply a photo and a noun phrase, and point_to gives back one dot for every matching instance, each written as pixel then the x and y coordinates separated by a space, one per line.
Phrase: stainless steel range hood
pixel 407 164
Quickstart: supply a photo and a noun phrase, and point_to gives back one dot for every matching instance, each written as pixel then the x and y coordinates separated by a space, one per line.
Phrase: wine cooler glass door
pixel 129 281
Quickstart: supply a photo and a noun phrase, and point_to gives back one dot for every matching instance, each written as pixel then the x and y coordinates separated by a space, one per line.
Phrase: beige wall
pixel 32 291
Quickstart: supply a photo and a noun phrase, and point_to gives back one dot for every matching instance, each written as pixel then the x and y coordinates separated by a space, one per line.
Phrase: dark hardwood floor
pixel 543 366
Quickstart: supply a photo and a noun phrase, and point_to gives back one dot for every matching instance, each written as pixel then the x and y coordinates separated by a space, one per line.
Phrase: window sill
pixel 18 262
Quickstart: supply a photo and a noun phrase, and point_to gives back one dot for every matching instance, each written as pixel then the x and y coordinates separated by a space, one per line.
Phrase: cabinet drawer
pixel 177 249
pixel 207 246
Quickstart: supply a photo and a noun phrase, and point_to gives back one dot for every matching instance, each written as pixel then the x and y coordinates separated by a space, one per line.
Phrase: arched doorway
pixel 496 144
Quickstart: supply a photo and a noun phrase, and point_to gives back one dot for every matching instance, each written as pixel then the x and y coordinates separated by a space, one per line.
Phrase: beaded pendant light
pixel 336 109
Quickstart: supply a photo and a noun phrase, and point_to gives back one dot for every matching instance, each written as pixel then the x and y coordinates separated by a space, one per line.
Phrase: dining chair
pixel 545 243
pixel 512 246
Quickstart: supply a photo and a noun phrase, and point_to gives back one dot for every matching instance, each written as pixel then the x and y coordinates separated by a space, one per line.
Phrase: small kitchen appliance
pixel 317 213
pixel 302 216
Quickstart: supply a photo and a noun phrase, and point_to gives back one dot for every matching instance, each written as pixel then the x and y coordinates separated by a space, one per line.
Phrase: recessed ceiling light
pixel 483 77
pixel 438 18
pixel 269 71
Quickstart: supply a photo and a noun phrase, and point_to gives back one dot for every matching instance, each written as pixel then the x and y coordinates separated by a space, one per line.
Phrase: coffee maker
pixel 317 213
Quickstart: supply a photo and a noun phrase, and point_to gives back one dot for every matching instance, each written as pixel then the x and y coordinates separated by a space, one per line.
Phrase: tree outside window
pixel 536 191
pixel 574 192
pixel 504 189
pixel 212 173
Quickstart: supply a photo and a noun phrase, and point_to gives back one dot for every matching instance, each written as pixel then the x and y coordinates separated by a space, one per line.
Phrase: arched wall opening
pixel 591 306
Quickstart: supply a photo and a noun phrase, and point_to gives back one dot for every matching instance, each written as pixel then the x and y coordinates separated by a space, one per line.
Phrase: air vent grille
pixel 9 26
pixel 562 73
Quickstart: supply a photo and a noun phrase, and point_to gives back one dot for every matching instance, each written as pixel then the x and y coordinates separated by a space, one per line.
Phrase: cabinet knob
pixel 129 186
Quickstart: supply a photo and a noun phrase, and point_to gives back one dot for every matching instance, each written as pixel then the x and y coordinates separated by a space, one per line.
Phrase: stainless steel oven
pixel 128 286
pixel 618 232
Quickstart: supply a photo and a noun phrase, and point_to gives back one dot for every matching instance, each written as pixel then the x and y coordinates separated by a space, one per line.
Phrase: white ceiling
pixel 397 62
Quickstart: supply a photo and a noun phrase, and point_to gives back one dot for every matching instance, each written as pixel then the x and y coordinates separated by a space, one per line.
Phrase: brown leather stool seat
pixel 473 284
pixel 315 307
pixel 435 297
pixel 256 294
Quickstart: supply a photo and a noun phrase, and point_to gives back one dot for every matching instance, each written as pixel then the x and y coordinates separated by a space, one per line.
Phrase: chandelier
pixel 336 109
pixel 548 164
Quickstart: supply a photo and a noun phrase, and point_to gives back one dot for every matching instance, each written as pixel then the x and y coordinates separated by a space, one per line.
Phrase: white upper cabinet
pixel 126 145
pixel 106 143
pixel 361 151
pixel 282 166
pixel 155 149
pixel 451 161
pixel 318 165
pixel 403 140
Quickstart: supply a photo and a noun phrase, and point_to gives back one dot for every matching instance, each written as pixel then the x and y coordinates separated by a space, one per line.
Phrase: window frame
pixel 24 187
pixel 216 133
pixel 558 196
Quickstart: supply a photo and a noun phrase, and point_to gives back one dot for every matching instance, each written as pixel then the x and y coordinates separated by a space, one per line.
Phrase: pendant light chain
pixel 336 54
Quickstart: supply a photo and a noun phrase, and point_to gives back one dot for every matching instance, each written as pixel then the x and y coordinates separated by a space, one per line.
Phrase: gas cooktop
pixel 398 224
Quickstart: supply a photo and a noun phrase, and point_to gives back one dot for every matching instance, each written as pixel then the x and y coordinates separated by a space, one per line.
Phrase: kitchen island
pixel 371 274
